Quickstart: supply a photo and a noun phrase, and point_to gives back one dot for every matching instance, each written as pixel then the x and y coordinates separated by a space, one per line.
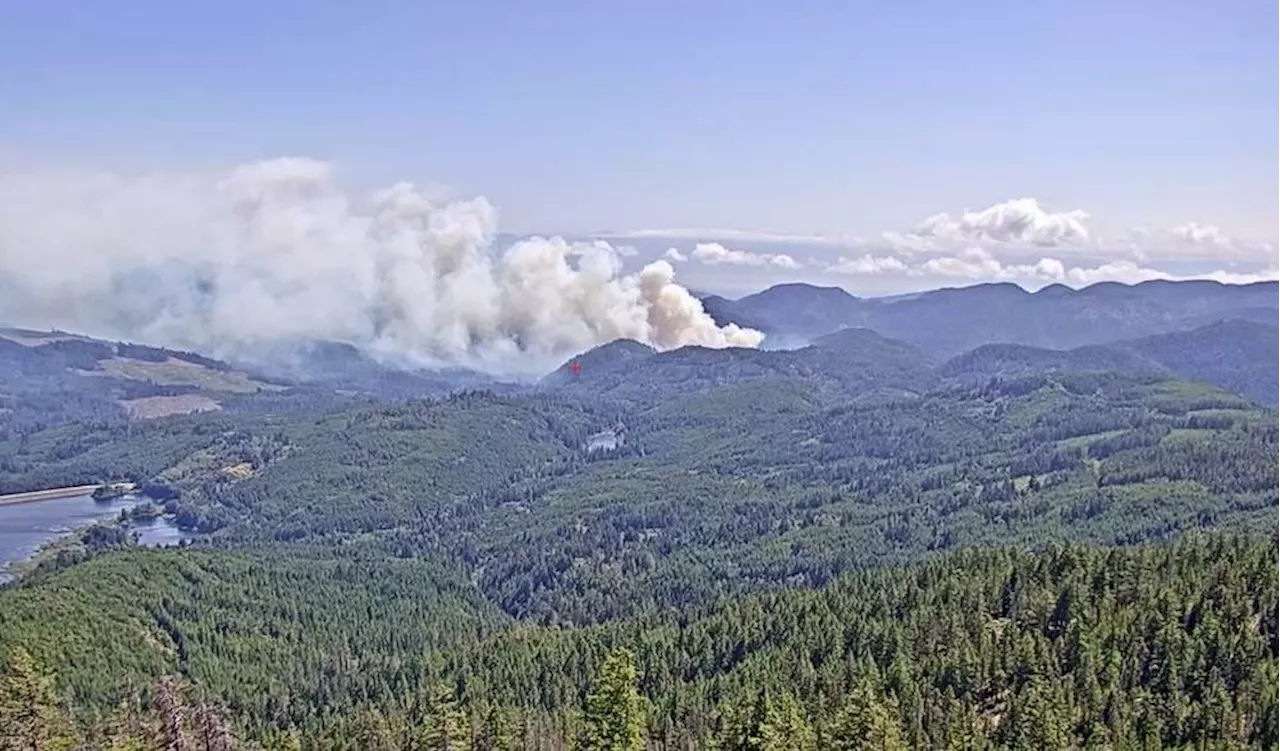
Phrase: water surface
pixel 159 533
pixel 24 527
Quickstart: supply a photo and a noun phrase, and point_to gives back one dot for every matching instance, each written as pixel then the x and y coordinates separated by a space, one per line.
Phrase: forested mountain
pixel 843 365
pixel 701 497
pixel 1017 360
pixel 947 322
pixel 858 363
pixel 793 308
pixel 1239 356
pixel 50 378
pixel 340 366
pixel 606 360
pixel 853 542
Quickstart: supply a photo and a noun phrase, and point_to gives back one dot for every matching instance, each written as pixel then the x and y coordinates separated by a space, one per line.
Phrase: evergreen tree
pixel 445 726
pixel 766 724
pixel 866 723
pixel 371 732
pixel 127 729
pixel 289 740
pixel 213 731
pixel 29 712
pixel 498 732
pixel 789 729
pixel 614 719
pixel 1036 719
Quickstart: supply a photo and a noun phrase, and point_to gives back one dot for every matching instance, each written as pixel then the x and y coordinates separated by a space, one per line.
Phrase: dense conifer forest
pixel 1171 646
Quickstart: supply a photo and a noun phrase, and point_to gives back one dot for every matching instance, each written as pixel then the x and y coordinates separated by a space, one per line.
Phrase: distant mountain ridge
pixel 951 321
pixel 1239 355
pixel 856 363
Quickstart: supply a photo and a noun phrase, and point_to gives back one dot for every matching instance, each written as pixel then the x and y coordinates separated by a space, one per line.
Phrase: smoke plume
pixel 277 252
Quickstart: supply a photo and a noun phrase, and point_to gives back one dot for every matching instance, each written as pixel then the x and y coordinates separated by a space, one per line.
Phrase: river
pixel 24 527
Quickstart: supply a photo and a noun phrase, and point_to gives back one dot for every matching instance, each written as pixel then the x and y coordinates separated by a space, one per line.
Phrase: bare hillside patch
pixel 159 406
pixel 175 372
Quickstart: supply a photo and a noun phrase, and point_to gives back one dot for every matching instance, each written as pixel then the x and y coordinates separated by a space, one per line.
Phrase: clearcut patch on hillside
pixel 149 407
pixel 175 372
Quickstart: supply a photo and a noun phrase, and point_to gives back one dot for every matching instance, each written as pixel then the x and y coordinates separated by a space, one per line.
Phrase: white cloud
pixel 732 235
pixel 279 250
pixel 1202 234
pixel 977 264
pixel 1269 274
pixel 1127 272
pixel 1008 242
pixel 1021 220
pixel 1193 241
pixel 907 242
pixel 973 263
pixel 867 264
pixel 1022 226
pixel 1004 242
pixel 715 253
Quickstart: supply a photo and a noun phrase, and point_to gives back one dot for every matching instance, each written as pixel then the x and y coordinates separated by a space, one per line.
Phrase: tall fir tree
pixel 445 726
pixel 766 723
pixel 29 713
pixel 1036 719
pixel 614 716
pixel 865 722
pixel 498 731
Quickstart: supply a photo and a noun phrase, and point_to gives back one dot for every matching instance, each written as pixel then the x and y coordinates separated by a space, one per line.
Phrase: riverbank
pixel 32 496
pixel 69 542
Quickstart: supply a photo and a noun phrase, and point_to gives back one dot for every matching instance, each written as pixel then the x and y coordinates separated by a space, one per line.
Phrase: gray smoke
pixel 276 252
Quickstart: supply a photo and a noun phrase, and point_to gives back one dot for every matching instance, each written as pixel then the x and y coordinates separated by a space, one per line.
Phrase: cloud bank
pixel 1018 240
pixel 978 265
pixel 278 252
pixel 1001 243
pixel 714 253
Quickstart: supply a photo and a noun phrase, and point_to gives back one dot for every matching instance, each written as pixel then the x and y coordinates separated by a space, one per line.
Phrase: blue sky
pixel 804 117
pixel 882 147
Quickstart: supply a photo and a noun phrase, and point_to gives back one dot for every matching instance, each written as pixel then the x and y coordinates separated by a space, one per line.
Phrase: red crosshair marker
pixel 577 368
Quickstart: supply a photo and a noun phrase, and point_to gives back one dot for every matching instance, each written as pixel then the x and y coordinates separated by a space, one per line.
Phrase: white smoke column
pixel 276 252
pixel 676 318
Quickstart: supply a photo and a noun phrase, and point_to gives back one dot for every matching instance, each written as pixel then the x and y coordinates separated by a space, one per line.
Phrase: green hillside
pixel 1170 647
pixel 705 495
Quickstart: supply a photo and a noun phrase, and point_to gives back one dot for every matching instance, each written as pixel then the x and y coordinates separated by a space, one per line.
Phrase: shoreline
pixel 14 570
pixel 49 494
